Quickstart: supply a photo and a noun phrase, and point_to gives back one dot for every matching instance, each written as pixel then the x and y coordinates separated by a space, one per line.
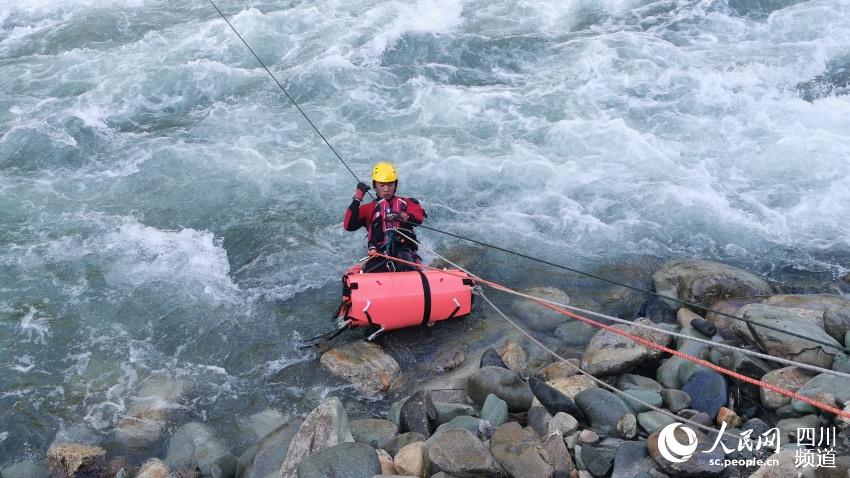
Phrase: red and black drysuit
pixel 380 230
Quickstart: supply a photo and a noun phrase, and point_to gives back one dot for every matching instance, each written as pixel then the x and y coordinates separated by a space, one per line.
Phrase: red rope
pixel 646 342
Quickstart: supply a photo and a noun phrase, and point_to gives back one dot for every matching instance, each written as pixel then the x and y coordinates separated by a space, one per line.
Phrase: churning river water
pixel 164 209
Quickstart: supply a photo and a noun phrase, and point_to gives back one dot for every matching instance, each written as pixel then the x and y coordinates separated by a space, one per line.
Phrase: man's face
pixel 385 190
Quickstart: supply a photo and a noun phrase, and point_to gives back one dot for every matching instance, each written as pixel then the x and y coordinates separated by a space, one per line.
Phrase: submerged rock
pixel 269 454
pixel 195 445
pixel 491 358
pixel 514 356
pixel 153 468
pixel 538 318
pixel 705 282
pixel 364 365
pixel 74 458
pixel 324 427
pixel 150 411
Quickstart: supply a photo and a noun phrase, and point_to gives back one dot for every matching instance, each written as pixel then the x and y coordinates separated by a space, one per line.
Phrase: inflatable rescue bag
pixel 395 300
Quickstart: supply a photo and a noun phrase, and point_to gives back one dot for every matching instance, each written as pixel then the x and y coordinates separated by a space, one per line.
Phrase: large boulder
pixel 607 413
pixel 705 282
pixel 816 305
pixel 324 427
pixel 364 365
pixel 195 445
pixel 609 353
pixel 458 452
pixel 836 321
pixel 267 456
pixel 800 321
pixel 520 453
pixel 345 460
pixel 502 383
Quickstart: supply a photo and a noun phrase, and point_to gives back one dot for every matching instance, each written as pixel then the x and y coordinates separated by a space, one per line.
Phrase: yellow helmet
pixel 384 172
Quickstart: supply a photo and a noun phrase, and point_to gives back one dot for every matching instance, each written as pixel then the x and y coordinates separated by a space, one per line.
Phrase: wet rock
pixel 789 427
pixel 153 468
pixel 224 467
pixel 459 452
pixel 708 392
pixel 364 365
pixel 412 460
pixel 575 333
pixel 668 372
pixel 789 378
pixel 572 386
pixel 609 353
pixel 588 437
pixel 562 462
pixel 514 356
pixel 373 431
pixel 705 282
pixel 704 327
pixel 537 318
pixel 520 453
pixel 607 413
pixel 195 445
pixel 824 385
pixel 781 344
pixel 23 469
pixel 552 399
pixel 656 310
pixel 149 411
pixel 654 421
pixel 324 427
pixel 448 359
pixel 632 460
pixel 696 416
pixel 400 441
pixel 76 458
pixel 471 424
pixel 494 410
pixel 448 411
pixel 628 381
pixel 559 370
pixel 500 382
pixel 675 400
pixel 418 414
pixel 491 358
pixel 699 463
pixel 597 460
pixel 836 322
pixel 262 423
pixel 266 458
pixel 739 362
pixel 563 424
pixel 647 396
pixel 729 417
pixel 346 460
pixel 538 419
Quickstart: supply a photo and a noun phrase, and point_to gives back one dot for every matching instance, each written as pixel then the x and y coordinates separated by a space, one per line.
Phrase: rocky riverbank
pixel 513 411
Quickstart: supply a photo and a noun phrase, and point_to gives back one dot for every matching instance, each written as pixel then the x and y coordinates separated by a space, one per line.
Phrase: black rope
pixel 634 288
pixel 508 251
pixel 287 93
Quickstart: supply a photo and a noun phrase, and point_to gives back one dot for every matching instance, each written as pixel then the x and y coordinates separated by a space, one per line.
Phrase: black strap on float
pixel 426 292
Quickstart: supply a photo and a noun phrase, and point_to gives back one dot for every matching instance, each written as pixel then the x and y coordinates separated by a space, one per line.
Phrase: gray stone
pixel 781 344
pixel 597 460
pixel 539 419
pixel 708 392
pixel 836 322
pixel 553 399
pixel 631 460
pixel 459 452
pixel 705 282
pixel 537 318
pixel 607 413
pixel 418 414
pixel 653 421
pixel 491 358
pixel 648 396
pixel 324 427
pixel 563 424
pixel 494 410
pixel 447 411
pixel 822 388
pixel 696 416
pixel 575 333
pixel 364 365
pixel 788 427
pixel 223 467
pixel 789 378
pixel 504 384
pixel 520 453
pixel 153 468
pixel 262 423
pixel 704 327
pixel 562 462
pixel 345 460
pixel 373 431
pixel 739 362
pixel 412 460
pixel 609 353
pixel 195 445
pixel 700 463
pixel 150 411
pixel 471 424
pixel 628 381
pixel 675 400
pixel 24 469
pixel 668 372
pixel 265 459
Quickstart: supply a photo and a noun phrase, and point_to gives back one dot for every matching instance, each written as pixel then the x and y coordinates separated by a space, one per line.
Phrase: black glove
pixel 362 188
